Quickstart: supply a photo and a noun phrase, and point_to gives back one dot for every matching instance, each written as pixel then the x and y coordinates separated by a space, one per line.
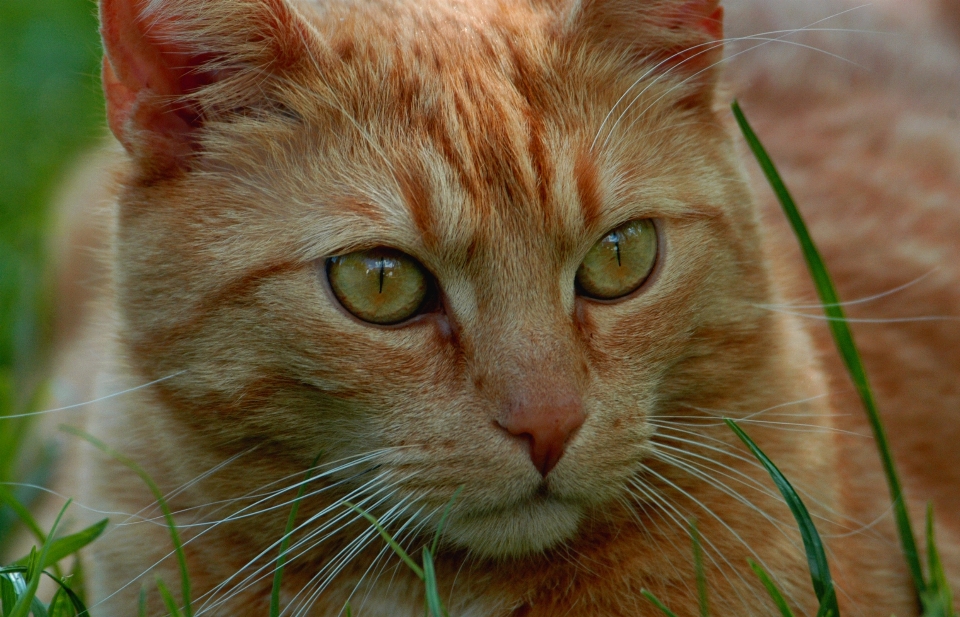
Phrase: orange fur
pixel 490 140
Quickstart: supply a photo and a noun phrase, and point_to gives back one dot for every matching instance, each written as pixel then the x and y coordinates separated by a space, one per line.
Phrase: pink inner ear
pixel 713 25
pixel 703 16
pixel 136 61
pixel 142 74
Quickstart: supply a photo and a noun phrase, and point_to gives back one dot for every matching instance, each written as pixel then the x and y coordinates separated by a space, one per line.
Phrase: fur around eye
pixel 382 286
pixel 619 262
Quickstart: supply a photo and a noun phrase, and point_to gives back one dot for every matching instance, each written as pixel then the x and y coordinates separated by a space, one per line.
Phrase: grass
pixel 186 606
pixel 931 590
pixel 285 542
pixel 50 110
pixel 425 570
pixel 20 581
pixel 816 557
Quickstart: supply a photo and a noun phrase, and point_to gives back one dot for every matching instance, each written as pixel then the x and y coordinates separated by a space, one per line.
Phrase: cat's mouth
pixel 532 525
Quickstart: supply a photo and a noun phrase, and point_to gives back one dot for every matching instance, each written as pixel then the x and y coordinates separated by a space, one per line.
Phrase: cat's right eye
pixel 381 286
pixel 619 262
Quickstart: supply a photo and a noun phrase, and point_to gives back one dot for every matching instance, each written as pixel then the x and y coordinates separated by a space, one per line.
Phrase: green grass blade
pixel 15 429
pixel 845 344
pixel 443 520
pixel 25 603
pixel 7 498
pixel 430 585
pixel 37 608
pixel 168 600
pixel 937 600
pixel 8 595
pixel 70 596
pixel 78 579
pixel 285 542
pixel 13 585
pixel 388 538
pixel 68 545
pixel 142 604
pixel 10 592
pixel 772 589
pixel 158 495
pixel 28 470
pixel 825 605
pixel 656 602
pixel 704 601
pixel 16 569
pixel 816 557
pixel 37 472
pixel 60 605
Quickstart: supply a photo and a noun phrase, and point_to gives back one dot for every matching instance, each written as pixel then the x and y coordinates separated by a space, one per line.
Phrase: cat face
pixel 489 149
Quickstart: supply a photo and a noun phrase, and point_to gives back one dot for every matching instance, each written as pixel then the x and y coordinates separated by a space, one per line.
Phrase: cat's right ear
pixel 170 65
pixel 683 37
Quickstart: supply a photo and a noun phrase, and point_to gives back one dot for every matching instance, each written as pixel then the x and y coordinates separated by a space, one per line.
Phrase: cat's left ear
pixel 680 37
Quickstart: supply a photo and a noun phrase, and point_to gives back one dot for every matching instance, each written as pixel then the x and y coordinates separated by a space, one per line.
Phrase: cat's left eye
pixel 619 262
pixel 382 285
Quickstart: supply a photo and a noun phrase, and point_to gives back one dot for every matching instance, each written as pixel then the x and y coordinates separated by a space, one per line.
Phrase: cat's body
pixel 490 141
pixel 872 153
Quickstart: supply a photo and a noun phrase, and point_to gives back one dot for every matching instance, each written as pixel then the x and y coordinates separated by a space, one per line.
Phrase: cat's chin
pixel 530 527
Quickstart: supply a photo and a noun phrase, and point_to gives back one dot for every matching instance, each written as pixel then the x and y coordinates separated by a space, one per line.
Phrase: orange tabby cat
pixel 509 246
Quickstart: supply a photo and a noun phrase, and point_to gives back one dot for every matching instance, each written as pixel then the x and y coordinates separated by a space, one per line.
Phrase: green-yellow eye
pixel 620 261
pixel 381 285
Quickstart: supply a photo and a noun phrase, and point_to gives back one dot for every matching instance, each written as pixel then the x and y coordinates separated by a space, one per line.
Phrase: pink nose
pixel 547 421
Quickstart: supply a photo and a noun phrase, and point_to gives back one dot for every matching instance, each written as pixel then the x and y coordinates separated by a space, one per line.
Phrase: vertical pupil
pixel 381 274
pixel 615 238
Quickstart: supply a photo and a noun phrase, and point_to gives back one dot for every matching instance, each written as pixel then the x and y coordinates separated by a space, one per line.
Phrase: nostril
pixel 545 427
pixel 525 438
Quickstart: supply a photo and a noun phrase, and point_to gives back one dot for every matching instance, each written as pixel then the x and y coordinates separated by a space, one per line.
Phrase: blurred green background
pixel 51 110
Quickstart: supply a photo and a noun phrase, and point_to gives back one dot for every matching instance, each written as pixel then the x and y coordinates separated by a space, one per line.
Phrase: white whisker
pixel 712 45
pixel 669 508
pixel 699 472
pixel 91 402
pixel 709 46
pixel 401 535
pixel 736 416
pixel 291 555
pixel 879 320
pixel 188 541
pixel 799 427
pixel 719 519
pixel 341 559
pixel 864 300
pixel 191 483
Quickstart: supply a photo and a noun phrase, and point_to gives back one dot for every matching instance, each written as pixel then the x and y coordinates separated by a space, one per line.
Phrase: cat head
pixel 480 244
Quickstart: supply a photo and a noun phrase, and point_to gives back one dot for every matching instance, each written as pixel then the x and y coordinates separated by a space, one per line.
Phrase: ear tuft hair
pixel 681 36
pixel 171 64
